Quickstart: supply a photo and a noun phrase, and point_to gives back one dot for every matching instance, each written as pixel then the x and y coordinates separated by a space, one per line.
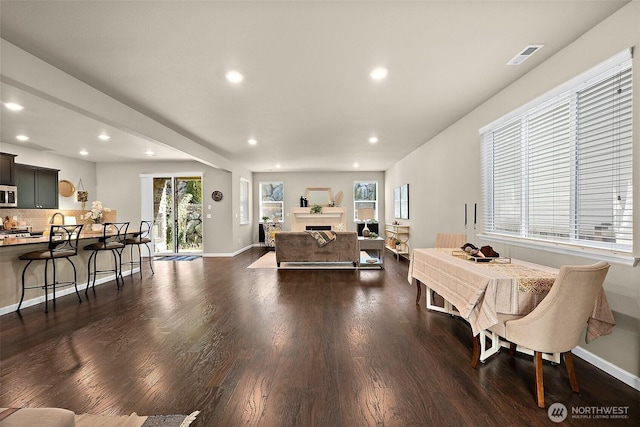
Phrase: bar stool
pixel 112 240
pixel 63 244
pixel 142 237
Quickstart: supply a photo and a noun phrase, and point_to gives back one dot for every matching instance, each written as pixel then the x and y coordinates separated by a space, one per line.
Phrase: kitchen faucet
pixel 54 216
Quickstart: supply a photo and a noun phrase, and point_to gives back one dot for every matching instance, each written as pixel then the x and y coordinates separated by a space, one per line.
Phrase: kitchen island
pixel 11 269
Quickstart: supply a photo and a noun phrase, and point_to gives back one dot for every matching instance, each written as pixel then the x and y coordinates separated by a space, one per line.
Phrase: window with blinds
pixel 561 170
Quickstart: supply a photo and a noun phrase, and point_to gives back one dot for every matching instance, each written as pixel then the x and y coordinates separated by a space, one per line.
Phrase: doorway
pixel 177 212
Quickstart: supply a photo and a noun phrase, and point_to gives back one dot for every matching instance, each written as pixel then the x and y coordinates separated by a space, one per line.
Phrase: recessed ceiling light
pixel 104 137
pixel 84 152
pixel 13 106
pixel 373 140
pixel 149 153
pixel 252 142
pixel 379 73
pixel 22 137
pixel 355 165
pixel 234 77
pixel 277 165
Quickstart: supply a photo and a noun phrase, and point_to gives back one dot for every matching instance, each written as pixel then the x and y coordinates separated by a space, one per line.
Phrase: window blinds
pixel 561 171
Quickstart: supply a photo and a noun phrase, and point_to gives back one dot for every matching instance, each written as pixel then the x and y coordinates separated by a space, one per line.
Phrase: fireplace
pixel 318 228
pixel 332 217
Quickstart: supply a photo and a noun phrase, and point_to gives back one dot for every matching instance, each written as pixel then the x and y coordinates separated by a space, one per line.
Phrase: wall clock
pixel 216 195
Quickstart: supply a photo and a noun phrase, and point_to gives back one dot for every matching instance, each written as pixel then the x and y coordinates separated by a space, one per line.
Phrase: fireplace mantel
pixel 301 217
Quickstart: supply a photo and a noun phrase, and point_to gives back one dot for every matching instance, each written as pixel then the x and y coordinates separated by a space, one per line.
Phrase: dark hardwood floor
pixel 277 348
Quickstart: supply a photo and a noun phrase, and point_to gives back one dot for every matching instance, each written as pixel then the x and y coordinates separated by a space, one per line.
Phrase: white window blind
pixel 561 170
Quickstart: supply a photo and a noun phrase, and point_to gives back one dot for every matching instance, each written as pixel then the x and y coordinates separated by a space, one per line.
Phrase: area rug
pixel 177 258
pixel 135 420
pixel 268 261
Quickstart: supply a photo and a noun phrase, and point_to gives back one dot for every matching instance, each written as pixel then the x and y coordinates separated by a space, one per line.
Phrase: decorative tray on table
pixel 472 255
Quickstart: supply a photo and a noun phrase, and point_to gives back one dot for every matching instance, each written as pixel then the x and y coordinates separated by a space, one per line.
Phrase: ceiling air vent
pixel 524 54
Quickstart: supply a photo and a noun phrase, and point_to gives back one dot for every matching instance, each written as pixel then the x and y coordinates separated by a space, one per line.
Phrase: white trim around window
pixel 559 173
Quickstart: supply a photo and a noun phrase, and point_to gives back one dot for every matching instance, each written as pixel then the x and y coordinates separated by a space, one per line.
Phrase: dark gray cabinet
pixel 37 187
pixel 7 171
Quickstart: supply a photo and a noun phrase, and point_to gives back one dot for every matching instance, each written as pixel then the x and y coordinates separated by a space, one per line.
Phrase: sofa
pixel 302 246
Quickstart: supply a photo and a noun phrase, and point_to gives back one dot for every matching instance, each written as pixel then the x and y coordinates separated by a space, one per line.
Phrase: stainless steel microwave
pixel 8 196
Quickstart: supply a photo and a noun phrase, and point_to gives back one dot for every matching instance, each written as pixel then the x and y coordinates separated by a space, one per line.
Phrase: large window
pixel 272 200
pixel 561 170
pixel 365 195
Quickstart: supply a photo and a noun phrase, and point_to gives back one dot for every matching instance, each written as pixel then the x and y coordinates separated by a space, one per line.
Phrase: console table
pixel 396 232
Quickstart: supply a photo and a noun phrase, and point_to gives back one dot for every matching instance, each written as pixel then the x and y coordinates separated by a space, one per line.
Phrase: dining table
pixel 478 289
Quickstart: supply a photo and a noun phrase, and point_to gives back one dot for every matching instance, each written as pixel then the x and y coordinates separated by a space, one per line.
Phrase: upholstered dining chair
pixel 450 240
pixel 554 326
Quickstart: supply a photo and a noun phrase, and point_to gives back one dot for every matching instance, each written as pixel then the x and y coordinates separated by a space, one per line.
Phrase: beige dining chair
pixel 554 326
pixel 445 240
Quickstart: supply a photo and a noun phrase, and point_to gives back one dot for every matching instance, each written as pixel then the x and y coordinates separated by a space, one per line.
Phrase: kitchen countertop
pixel 18 241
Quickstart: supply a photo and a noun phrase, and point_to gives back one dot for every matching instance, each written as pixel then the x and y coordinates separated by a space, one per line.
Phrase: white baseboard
pixel 227 254
pixel 65 291
pixel 608 367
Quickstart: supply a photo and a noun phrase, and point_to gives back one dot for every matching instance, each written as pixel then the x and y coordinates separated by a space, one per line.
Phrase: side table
pixel 367 244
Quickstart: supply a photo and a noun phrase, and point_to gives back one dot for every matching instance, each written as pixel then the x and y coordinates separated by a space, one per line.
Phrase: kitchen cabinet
pixel 7 169
pixel 37 187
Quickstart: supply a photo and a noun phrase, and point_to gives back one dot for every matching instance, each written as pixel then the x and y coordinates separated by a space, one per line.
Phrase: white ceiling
pixel 307 97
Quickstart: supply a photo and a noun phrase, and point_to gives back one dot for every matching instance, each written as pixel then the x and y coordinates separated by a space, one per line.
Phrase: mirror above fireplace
pixel 319 196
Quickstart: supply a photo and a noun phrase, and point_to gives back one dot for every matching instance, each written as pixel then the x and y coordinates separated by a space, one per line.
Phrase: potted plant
pixel 265 218
pixel 316 209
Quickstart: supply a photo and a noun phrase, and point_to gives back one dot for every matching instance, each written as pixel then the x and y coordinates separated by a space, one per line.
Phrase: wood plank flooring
pixel 253 347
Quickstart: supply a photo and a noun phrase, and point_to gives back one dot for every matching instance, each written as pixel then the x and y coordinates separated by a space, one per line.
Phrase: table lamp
pixel 365 214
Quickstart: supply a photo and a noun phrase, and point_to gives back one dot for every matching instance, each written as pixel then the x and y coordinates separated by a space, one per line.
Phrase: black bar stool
pixel 63 244
pixel 142 237
pixel 112 240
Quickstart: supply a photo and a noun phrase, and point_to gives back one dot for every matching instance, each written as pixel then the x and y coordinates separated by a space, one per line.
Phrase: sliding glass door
pixel 177 211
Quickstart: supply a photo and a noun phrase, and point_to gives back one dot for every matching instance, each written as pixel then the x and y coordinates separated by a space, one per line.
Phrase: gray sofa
pixel 300 246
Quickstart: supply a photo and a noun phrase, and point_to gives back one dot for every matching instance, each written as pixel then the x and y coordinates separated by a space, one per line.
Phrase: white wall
pixel 444 174
pixel 296 183
pixel 119 188
pixel 70 169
